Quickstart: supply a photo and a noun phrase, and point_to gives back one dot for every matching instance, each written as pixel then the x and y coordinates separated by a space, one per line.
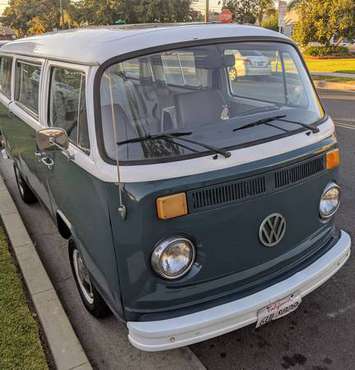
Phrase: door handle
pixel 48 162
pixel 10 114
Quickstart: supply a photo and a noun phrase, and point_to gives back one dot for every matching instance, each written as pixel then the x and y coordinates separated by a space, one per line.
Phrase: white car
pixel 250 63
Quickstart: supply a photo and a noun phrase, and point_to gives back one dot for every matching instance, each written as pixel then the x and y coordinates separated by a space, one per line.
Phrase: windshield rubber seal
pixel 185 44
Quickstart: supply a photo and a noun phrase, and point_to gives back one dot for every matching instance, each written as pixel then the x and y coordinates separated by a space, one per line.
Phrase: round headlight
pixel 173 257
pixel 330 200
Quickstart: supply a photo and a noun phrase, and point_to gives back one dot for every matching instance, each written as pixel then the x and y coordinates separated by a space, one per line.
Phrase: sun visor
pixel 213 61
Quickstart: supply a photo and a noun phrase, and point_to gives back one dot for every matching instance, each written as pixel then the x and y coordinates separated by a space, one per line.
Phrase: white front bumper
pixel 199 326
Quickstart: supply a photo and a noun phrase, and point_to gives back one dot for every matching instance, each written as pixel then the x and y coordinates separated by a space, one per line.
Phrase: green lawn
pixel 20 346
pixel 331 65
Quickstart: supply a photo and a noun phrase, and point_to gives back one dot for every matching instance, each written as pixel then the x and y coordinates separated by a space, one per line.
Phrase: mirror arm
pixel 66 152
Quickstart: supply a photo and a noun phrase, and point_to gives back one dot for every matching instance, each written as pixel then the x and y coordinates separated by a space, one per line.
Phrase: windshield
pixel 206 90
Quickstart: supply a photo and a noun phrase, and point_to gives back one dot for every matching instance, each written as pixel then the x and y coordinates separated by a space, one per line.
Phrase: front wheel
pixel 91 298
pixel 25 192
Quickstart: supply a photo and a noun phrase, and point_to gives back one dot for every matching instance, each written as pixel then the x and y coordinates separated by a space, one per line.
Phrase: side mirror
pixel 51 139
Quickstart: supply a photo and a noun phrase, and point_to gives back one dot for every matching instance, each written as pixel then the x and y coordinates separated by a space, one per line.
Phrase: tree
pixel 272 22
pixel 293 4
pixel 96 12
pixel 324 19
pixel 262 7
pixel 248 11
pixel 99 12
pixel 28 17
pixel 165 11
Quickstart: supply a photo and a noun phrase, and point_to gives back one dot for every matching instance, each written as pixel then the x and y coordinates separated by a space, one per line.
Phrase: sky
pixel 3 4
pixel 200 5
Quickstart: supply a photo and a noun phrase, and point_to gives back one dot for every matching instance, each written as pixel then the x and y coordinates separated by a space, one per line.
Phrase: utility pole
pixel 61 22
pixel 207 11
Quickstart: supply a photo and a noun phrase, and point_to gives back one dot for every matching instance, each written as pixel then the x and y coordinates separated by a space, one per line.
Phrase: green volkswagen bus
pixel 192 169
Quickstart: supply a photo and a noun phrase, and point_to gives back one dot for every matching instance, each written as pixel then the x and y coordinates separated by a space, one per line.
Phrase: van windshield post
pixel 121 207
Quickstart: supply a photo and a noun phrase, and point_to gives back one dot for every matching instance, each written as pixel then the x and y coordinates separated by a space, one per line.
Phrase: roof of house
pixel 94 46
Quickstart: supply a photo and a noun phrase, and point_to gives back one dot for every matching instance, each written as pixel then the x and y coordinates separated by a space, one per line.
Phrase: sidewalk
pixel 63 343
pixel 340 75
pixel 323 80
pixel 104 341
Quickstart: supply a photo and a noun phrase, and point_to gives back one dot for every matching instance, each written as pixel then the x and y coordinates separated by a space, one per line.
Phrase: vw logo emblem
pixel 272 230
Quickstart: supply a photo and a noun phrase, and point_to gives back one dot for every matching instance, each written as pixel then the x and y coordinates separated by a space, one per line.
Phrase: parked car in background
pixel 193 203
pixel 250 63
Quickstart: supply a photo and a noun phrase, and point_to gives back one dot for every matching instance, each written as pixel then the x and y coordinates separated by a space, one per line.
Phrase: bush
pixel 324 51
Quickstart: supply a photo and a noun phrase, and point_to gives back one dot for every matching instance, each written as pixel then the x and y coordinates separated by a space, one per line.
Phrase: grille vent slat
pixel 291 175
pixel 227 193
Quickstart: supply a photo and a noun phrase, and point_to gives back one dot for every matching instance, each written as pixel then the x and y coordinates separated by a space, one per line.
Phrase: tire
pixel 25 192
pixel 90 297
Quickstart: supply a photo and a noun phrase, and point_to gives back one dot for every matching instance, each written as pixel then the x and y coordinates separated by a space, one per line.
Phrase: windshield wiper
pixel 177 136
pixel 314 129
pixel 265 121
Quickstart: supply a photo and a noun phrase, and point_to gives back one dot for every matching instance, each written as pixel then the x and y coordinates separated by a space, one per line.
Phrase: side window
pixel 27 85
pixel 131 68
pixel 180 70
pixel 5 75
pixel 67 106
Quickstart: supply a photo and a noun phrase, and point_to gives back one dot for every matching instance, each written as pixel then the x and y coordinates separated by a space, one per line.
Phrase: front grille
pixel 226 193
pixel 298 172
pixel 231 192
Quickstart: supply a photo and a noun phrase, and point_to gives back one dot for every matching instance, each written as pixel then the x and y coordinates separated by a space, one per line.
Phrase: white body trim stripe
pixel 196 327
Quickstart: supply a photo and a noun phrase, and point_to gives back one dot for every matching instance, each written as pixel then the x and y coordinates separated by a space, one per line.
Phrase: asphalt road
pixel 319 336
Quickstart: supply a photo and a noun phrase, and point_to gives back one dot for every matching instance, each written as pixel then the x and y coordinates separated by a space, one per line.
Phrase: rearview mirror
pixel 52 138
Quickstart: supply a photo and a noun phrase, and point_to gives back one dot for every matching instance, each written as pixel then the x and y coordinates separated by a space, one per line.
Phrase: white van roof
pixel 94 46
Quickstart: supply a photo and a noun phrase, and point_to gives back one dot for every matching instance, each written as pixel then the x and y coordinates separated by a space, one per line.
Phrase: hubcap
pixel 83 277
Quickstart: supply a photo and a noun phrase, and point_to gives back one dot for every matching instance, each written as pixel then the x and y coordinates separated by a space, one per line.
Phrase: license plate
pixel 278 309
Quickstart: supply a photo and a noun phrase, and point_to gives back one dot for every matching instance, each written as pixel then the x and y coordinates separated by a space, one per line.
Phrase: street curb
pixel 333 86
pixel 63 343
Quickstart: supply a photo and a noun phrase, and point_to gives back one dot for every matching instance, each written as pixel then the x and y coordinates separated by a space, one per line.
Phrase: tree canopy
pixel 28 17
pixel 35 16
pixel 248 11
pixel 323 19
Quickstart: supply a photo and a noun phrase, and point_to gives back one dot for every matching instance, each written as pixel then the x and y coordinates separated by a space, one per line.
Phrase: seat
pixel 199 108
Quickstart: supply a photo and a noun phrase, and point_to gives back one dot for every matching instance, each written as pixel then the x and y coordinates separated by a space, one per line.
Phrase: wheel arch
pixel 63 225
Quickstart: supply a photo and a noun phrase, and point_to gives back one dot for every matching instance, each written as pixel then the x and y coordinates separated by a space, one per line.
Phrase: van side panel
pixel 20 139
pixel 84 200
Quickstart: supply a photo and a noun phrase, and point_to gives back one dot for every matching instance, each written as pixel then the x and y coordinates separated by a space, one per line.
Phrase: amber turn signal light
pixel 172 206
pixel 332 159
